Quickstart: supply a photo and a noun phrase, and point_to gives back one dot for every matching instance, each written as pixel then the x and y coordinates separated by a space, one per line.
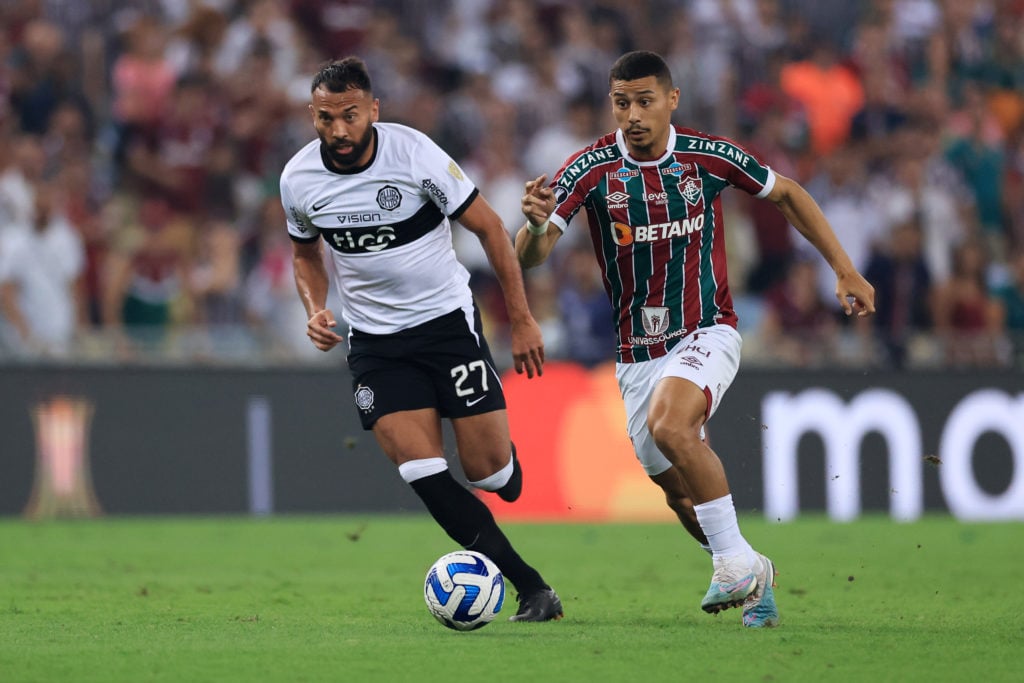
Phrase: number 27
pixel 461 373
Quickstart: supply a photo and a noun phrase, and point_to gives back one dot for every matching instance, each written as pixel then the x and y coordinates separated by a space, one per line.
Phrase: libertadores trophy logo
pixel 63 482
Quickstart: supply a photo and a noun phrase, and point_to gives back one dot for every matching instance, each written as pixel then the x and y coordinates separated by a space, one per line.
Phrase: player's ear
pixel 673 98
pixel 375 110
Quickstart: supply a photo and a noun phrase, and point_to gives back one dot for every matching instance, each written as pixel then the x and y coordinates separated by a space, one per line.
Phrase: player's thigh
pixel 381 386
pixel 636 382
pixel 410 435
pixel 459 362
pixel 483 442
pixel 695 376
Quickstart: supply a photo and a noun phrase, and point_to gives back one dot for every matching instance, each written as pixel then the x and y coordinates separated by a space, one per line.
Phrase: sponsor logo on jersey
pixel 586 159
pixel 364 398
pixel 319 205
pixel 655 319
pixel 692 190
pixel 721 149
pixel 389 198
pixel 624 235
pixel 676 169
pixel 561 194
pixel 455 171
pixel 299 219
pixel 617 200
pixel 357 218
pixel 377 240
pixel 658 339
pixel 656 197
pixel 691 361
pixel 431 187
pixel 624 173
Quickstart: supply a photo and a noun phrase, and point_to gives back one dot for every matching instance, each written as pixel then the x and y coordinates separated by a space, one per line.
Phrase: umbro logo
pixel 617 198
pixel 317 207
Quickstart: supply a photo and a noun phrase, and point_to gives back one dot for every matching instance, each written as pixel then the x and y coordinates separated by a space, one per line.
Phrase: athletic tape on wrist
pixel 537 229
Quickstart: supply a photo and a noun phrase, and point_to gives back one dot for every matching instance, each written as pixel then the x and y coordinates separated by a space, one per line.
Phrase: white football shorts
pixel 708 357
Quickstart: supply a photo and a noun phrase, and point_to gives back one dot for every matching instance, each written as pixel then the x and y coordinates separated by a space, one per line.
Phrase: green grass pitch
pixel 339 598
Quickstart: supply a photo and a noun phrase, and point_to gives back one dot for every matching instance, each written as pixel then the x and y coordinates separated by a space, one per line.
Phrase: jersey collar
pixel 620 140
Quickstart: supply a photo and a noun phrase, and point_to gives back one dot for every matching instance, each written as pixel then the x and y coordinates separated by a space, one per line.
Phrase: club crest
pixel 691 189
pixel 655 319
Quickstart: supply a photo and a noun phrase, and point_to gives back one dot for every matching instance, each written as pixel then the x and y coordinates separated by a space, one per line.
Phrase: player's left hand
pixel 855 294
pixel 527 347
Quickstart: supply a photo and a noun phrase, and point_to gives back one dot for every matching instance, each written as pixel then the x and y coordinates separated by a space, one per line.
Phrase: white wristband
pixel 537 229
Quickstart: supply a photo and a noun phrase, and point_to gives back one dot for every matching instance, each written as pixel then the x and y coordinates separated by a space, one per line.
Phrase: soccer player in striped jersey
pixel 650 191
pixel 383 198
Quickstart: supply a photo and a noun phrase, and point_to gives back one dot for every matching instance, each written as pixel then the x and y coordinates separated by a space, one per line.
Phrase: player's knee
pixel 486 464
pixel 673 439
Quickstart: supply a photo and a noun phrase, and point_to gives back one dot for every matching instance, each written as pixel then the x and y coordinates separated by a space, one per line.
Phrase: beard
pixel 348 159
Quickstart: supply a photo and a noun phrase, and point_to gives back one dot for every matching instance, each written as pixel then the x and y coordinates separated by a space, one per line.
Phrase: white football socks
pixel 717 520
pixel 496 480
pixel 418 469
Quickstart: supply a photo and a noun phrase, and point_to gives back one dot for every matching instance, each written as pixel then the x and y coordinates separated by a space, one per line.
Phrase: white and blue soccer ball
pixel 464 590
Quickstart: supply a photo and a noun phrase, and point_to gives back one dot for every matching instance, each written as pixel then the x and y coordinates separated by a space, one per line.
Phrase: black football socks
pixel 469 522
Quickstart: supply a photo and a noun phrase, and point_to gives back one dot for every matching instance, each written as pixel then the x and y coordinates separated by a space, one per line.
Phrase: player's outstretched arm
pixel 536 239
pixel 855 294
pixel 312 282
pixel 527 342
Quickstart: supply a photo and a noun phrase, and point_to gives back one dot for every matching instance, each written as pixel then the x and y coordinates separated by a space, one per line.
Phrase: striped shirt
pixel 658 233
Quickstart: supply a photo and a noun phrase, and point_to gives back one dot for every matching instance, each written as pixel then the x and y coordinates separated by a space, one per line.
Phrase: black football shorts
pixel 443 364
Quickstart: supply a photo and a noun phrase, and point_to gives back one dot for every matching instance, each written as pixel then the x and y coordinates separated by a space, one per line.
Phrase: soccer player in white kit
pixel 651 194
pixel 383 198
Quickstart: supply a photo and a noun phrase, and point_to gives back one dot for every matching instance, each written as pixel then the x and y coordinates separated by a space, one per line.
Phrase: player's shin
pixel 470 523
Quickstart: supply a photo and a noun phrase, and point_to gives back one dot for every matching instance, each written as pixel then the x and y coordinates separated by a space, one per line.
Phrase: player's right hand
pixel 319 331
pixel 527 347
pixel 539 200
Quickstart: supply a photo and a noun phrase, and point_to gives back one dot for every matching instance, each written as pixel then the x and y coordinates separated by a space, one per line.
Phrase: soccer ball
pixel 464 590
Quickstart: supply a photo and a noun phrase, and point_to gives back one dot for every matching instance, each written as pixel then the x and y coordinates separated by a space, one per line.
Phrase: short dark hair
pixel 640 64
pixel 343 74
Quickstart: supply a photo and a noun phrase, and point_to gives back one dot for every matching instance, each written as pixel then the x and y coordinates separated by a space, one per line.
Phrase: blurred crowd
pixel 141 144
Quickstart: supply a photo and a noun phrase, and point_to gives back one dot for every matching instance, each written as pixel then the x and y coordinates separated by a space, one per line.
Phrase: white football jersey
pixel 387 226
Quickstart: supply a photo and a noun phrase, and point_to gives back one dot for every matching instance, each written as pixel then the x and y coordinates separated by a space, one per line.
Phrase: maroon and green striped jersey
pixel 658 233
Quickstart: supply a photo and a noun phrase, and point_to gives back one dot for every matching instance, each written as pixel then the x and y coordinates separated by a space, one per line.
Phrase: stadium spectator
pixel 589 328
pixel 82 208
pixel 779 136
pixel 1011 294
pixel 25 170
pixel 841 189
pixel 651 192
pixel 976 149
pixel 95 77
pixel 551 144
pixel 416 349
pixel 970 321
pixel 908 194
pixel 142 81
pixel 270 304
pixel 798 327
pixel 39 271
pixel 829 91
pixel 903 288
pixel 41 75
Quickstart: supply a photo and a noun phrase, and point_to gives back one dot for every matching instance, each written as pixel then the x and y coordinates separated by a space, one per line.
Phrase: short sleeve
pixel 300 228
pixel 442 180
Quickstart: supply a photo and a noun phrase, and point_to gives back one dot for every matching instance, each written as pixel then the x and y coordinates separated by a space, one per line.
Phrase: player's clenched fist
pixel 318 329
